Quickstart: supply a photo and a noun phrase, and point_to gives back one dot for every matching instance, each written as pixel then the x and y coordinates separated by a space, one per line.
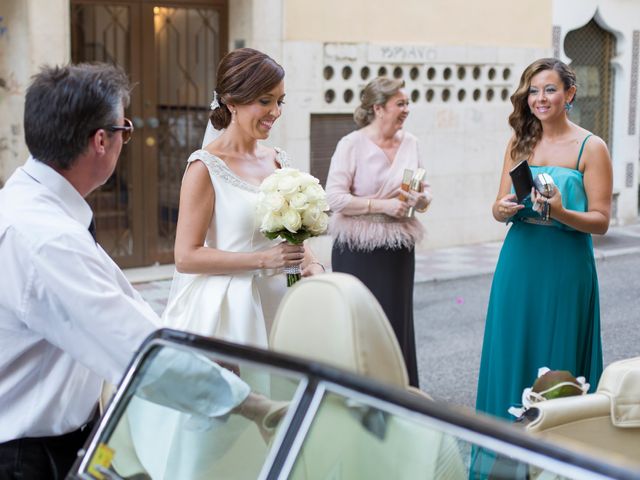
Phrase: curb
pixel 599 255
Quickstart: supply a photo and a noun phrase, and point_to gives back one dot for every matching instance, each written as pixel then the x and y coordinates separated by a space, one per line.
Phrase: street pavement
pixel 431 266
pixel 450 318
pixel 451 295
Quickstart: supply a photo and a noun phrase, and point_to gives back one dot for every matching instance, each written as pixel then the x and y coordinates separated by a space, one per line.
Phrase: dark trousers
pixel 389 274
pixel 43 458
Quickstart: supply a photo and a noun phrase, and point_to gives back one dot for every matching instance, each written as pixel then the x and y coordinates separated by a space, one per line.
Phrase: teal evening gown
pixel 544 308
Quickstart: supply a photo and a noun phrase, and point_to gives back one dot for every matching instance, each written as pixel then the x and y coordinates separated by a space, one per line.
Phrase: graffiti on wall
pixel 9 85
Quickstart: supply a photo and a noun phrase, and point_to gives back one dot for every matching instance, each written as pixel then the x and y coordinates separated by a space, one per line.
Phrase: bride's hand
pixel 313 268
pixel 282 255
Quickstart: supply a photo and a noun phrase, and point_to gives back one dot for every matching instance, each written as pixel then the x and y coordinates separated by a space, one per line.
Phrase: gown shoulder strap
pixel 582 149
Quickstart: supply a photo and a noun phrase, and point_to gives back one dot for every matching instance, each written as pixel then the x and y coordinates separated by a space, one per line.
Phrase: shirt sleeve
pixel 77 302
pixel 192 384
pixel 340 177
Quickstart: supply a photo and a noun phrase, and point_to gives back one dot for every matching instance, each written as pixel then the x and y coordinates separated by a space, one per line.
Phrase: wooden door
pixel 170 50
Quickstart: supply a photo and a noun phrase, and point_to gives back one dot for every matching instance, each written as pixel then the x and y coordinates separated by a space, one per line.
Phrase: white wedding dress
pixel 240 307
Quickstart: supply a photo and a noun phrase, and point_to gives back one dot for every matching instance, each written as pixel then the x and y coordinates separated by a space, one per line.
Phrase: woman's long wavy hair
pixel 527 128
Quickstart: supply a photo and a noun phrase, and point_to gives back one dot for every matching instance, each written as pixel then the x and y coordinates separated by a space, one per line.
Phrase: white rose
pixel 273 202
pixel 269 184
pixel 272 222
pixel 322 205
pixel 310 215
pixel 288 185
pixel 314 192
pixel 291 220
pixel 321 224
pixel 307 180
pixel 298 201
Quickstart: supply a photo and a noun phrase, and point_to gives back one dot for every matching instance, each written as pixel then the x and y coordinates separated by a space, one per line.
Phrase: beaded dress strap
pixel 217 166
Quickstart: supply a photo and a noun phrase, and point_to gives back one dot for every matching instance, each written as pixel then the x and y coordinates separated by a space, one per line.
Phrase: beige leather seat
pixel 605 421
pixel 335 319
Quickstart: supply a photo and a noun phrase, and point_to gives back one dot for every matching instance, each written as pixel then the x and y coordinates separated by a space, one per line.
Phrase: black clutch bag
pixel 522 180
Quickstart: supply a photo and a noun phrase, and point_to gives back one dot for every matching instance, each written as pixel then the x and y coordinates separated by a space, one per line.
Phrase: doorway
pixel 170 51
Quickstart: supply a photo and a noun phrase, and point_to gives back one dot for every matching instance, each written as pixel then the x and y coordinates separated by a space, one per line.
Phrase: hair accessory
pixel 568 106
pixel 215 103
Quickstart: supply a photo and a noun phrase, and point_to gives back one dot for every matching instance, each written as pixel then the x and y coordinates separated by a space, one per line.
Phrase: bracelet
pixel 368 205
pixel 318 263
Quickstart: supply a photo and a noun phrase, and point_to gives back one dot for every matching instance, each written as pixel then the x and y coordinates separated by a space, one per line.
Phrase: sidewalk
pixel 433 265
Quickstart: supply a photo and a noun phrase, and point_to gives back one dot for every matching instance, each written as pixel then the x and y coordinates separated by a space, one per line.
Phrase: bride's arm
pixel 197 200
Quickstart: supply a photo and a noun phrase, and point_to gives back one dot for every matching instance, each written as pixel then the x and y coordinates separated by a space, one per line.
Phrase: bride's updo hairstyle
pixel 243 75
pixel 526 126
pixel 377 92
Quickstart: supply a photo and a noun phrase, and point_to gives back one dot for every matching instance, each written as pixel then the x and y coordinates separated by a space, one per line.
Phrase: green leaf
pixel 295 238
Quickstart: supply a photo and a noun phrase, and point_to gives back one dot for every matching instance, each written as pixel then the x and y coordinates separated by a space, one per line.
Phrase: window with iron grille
pixel 591 49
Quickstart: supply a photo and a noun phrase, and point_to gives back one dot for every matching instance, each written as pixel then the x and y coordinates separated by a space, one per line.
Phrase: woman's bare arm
pixel 197 201
pixel 598 185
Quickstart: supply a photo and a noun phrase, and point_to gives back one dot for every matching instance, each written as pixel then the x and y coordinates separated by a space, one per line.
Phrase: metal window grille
pixel 591 49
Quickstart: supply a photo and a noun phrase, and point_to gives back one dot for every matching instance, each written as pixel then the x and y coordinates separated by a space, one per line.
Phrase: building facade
pixel 601 40
pixel 460 61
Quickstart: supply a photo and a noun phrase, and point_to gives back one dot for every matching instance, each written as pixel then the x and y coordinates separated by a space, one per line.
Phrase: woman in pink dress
pixel 374 239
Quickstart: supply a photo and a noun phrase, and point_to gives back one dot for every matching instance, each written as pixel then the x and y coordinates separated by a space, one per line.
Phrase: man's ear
pixel 97 142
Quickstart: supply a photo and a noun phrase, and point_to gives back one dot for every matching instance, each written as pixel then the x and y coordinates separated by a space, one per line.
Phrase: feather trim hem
pixel 361 233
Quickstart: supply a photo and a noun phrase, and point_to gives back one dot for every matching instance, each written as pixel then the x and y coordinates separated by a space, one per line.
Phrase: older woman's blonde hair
pixel 377 92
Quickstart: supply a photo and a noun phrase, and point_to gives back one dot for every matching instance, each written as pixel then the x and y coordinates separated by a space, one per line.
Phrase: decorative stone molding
pixel 555 41
pixel 633 92
pixel 628 175
pixel 430 74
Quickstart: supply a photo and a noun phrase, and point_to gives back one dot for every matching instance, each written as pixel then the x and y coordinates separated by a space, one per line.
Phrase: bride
pixel 228 280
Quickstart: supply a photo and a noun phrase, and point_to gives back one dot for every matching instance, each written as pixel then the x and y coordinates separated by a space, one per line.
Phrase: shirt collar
pixel 70 198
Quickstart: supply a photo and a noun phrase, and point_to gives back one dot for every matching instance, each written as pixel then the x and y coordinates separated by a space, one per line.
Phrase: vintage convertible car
pixel 330 401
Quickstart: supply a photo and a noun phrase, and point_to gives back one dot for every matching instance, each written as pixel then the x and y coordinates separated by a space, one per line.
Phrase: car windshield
pixel 193 408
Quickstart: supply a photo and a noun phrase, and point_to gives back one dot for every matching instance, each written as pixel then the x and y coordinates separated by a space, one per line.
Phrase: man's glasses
pixel 126 129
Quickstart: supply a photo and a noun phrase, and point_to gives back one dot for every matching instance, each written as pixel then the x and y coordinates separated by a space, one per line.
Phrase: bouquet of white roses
pixel 292 206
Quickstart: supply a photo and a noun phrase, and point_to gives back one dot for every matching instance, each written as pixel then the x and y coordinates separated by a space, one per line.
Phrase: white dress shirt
pixel 68 316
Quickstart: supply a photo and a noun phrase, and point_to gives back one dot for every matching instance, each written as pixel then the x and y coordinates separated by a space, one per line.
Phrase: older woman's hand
pixel 419 200
pixel 394 207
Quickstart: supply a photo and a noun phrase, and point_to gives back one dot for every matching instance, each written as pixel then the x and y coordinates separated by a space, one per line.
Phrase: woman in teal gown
pixel 544 306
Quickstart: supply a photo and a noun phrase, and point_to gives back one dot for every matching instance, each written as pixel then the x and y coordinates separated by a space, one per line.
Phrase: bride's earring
pixel 233 116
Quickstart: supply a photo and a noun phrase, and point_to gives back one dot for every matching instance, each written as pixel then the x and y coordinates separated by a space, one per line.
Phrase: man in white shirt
pixel 68 316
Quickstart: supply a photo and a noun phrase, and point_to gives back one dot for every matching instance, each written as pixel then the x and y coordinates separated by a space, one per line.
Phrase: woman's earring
pixel 233 116
pixel 568 106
